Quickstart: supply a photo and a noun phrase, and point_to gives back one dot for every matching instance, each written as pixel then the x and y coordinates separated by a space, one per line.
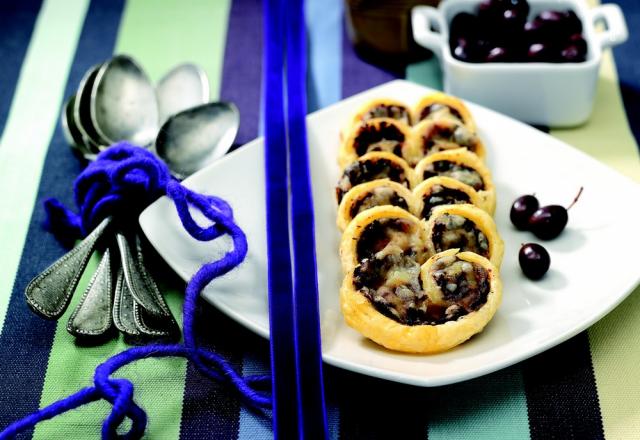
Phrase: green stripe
pixel 31 123
pixel 491 407
pixel 163 33
pixel 159 35
pixel 427 73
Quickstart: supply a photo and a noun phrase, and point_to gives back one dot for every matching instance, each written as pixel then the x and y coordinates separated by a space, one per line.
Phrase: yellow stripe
pixel 607 136
pixel 614 347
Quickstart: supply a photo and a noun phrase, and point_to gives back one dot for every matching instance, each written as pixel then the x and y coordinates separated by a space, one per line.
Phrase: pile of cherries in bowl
pixel 500 33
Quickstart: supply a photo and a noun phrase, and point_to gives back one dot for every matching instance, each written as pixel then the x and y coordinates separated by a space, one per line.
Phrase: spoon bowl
pixel 184 87
pixel 192 139
pixel 123 104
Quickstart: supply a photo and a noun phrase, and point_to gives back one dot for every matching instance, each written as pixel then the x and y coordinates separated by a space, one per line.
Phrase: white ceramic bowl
pixel 557 95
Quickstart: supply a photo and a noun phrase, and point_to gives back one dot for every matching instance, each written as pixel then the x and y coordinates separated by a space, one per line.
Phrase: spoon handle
pixel 92 316
pixel 49 293
pixel 139 281
pixel 123 307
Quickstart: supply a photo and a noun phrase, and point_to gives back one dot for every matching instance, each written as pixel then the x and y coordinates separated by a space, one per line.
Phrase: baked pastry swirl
pixel 425 308
pixel 464 227
pixel 443 190
pixel 432 136
pixel 381 231
pixel 462 165
pixel 380 134
pixel 433 192
pixel 375 193
pixel 441 106
pixel 380 108
pixel 373 166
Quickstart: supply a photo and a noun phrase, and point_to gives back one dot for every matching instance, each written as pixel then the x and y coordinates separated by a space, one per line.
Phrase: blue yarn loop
pixel 123 181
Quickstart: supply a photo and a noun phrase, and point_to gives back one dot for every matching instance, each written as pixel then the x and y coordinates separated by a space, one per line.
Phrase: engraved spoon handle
pixel 92 317
pixel 49 293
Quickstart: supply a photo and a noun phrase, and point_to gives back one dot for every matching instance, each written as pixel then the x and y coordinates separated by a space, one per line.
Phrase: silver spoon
pixel 184 87
pixel 123 103
pixel 194 138
pixel 81 112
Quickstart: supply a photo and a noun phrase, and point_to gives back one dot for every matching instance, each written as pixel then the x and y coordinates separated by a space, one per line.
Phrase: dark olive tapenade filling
pixel 441 195
pixel 462 283
pixel 387 111
pixel 444 137
pixel 440 108
pixel 387 236
pixel 379 196
pixel 383 137
pixel 454 231
pixel 456 171
pixel 368 170
pixel 393 285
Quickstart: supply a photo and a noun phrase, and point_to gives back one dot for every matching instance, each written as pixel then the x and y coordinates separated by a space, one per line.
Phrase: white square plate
pixel 594 263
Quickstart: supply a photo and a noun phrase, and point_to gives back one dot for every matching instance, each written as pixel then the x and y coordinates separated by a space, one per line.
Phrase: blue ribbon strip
pixel 282 332
pixel 289 304
pixel 305 287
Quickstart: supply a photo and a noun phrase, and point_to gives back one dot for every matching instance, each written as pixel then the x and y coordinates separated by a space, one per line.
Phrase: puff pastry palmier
pixel 380 134
pixel 462 165
pixel 428 309
pixel 442 106
pixel 370 194
pixel 464 227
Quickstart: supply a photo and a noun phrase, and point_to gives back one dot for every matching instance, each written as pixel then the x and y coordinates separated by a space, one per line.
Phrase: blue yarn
pixel 123 181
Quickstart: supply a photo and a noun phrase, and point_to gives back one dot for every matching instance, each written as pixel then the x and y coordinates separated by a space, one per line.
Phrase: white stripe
pixel 31 123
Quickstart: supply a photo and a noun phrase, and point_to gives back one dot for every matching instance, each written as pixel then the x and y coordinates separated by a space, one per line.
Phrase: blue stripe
pixel 627 57
pixel 26 339
pixel 242 67
pixel 209 410
pixel 17 20
pixel 254 425
pixel 324 81
pixel 359 75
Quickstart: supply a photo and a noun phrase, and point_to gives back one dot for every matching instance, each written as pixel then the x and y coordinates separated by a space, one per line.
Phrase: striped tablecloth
pixel 588 387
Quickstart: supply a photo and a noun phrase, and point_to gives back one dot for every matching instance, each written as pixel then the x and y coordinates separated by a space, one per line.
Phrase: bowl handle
pixel 423 18
pixel 616 27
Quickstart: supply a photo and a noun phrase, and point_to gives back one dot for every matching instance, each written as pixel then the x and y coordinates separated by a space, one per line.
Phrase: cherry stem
pixel 576 199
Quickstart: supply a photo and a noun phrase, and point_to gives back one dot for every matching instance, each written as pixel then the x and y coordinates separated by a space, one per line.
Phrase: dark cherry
pixel 522 209
pixel 490 10
pixel 550 16
pixel 579 42
pixel 541 53
pixel 462 53
pixel 512 23
pixel 572 23
pixel 497 55
pixel 534 260
pixel 549 221
pixel 572 54
pixel 464 24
